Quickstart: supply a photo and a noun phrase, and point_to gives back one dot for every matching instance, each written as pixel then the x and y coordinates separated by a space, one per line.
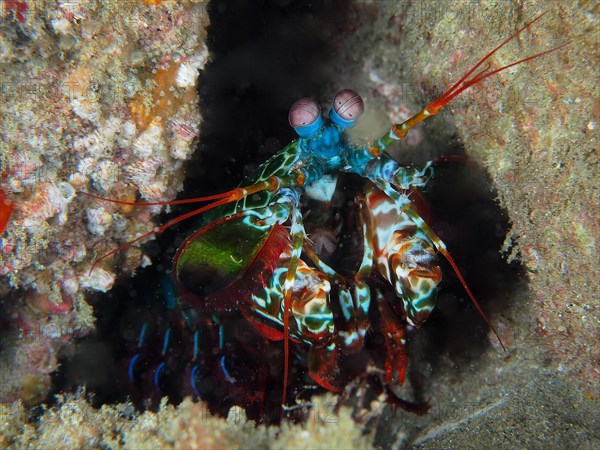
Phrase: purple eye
pixel 304 112
pixel 305 117
pixel 348 104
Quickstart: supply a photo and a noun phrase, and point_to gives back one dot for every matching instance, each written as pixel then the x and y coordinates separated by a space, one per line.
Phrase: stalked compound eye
pixel 348 106
pixel 305 117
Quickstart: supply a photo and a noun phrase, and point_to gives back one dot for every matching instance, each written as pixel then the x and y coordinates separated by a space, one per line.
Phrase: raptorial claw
pixel 323 367
pixel 395 342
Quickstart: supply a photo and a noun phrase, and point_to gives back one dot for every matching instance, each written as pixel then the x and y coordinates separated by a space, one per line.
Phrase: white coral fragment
pixel 67 194
pixel 144 171
pixel 186 75
pixel 106 174
pixel 98 220
pixel 86 109
pixel 61 25
pixel 149 142
pixel 99 280
pixel 44 204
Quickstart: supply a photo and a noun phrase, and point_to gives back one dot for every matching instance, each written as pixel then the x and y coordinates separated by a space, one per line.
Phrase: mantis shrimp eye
pixel 305 117
pixel 348 105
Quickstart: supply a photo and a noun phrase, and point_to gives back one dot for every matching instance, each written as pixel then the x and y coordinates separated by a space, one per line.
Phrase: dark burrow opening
pixel 266 55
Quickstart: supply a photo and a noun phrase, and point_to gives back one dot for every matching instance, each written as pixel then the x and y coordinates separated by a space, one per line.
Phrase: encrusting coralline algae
pixel 74 423
pixel 99 98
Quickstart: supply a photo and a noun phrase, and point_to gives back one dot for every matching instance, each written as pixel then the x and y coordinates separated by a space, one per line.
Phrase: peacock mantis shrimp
pixel 251 254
